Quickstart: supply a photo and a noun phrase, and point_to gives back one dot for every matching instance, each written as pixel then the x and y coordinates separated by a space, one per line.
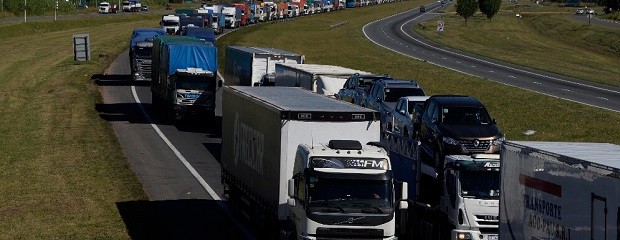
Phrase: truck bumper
pixel 187 111
pixel 323 238
pixel 473 235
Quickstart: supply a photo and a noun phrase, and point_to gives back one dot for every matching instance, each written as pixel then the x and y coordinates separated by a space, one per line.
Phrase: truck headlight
pixel 498 141
pixel 450 141
pixel 463 235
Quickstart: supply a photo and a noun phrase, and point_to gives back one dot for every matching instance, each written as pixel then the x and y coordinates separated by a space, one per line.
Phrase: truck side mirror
pixel 291 202
pixel 291 187
pixel 404 191
pixel 493 121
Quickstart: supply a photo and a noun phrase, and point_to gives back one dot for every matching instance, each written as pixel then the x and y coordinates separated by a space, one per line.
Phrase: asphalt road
pixel 395 33
pixel 177 165
pixel 596 21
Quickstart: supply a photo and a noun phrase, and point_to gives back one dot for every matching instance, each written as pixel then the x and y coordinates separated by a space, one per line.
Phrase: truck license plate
pixel 493 237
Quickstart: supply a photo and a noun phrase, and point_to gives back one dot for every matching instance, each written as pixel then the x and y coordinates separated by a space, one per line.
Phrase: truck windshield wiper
pixel 331 204
pixel 375 207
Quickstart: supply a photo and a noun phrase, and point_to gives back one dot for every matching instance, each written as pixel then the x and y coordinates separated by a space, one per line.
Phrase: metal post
pixel 55 10
pixel 25 6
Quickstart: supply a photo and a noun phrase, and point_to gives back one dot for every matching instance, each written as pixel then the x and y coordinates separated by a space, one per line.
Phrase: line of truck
pixel 300 164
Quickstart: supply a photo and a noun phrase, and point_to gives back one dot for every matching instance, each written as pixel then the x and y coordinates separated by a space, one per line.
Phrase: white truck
pixel 132 6
pixel 230 14
pixel 255 66
pixel 560 190
pixel 106 7
pixel 322 79
pixel 170 24
pixel 297 165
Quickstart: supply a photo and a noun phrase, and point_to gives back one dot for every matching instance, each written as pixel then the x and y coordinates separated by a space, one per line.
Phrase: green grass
pixel 515 109
pixel 549 42
pixel 62 169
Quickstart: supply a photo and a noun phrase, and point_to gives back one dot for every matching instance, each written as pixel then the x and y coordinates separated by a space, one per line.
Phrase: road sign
pixel 439 26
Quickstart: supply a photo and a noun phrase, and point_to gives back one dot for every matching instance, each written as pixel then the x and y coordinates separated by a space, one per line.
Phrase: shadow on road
pixel 215 149
pixel 177 219
pixel 116 80
pixel 129 112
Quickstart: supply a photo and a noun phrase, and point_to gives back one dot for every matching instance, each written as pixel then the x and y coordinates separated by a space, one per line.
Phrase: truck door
pixel 598 216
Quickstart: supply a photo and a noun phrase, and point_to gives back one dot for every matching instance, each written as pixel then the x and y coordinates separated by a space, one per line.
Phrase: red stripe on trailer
pixel 541 185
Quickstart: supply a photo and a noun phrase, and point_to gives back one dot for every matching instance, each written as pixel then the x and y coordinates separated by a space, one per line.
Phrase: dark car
pixel 385 93
pixel 357 86
pixel 453 124
pixel 422 8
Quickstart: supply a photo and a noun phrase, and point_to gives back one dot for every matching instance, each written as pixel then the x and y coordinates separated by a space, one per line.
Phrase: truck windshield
pixel 393 94
pixel 479 184
pixel 168 23
pixel 350 195
pixel 465 116
pixel 192 82
pixel 142 52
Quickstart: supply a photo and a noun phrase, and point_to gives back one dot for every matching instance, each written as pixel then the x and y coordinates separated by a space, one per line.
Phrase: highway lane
pixel 395 33
pixel 178 166
pixel 596 21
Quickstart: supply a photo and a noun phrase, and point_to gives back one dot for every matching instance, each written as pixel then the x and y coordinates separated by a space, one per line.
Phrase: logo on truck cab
pixel 249 144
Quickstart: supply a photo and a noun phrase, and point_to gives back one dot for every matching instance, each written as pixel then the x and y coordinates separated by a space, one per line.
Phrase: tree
pixel 466 8
pixel 489 7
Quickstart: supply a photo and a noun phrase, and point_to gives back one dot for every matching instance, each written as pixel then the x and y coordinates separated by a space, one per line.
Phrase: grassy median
pixel 550 42
pixel 516 110
pixel 61 167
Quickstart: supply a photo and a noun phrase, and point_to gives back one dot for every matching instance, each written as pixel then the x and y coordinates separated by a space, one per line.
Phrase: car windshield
pixel 350 194
pixel 366 82
pixel 465 116
pixel 393 94
pixel 479 184
pixel 412 104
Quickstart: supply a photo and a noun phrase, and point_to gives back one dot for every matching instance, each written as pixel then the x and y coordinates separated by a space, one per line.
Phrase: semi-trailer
pixel 559 190
pixel 219 21
pixel 184 77
pixel 191 21
pixel 304 166
pixel 255 66
pixel 204 33
pixel 246 15
pixel 322 79
pixel 140 48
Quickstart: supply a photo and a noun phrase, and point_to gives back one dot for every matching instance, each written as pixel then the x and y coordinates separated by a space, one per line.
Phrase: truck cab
pixel 142 61
pixel 342 189
pixel 194 89
pixel 170 24
pixel 470 198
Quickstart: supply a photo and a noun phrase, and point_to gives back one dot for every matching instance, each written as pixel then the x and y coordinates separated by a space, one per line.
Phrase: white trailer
pixel 283 170
pixel 255 66
pixel 323 79
pixel 560 190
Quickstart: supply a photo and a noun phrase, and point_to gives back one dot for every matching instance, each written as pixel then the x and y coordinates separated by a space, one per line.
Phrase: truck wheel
pixel 406 133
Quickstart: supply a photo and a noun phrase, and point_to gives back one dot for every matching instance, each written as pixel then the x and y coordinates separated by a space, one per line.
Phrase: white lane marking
pixel 510 76
pixel 459 71
pixel 176 152
pixel 189 167
pixel 566 89
pixel 604 98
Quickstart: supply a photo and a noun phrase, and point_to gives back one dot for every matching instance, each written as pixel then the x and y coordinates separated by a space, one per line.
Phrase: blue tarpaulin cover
pixel 203 33
pixel 141 34
pixel 189 55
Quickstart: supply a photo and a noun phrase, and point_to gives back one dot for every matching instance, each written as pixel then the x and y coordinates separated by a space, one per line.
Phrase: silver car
pixel 404 114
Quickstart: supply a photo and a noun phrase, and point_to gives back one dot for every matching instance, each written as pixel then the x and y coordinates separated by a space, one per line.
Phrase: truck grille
pixel 481 145
pixel 348 233
pixel 487 220
pixel 146 69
